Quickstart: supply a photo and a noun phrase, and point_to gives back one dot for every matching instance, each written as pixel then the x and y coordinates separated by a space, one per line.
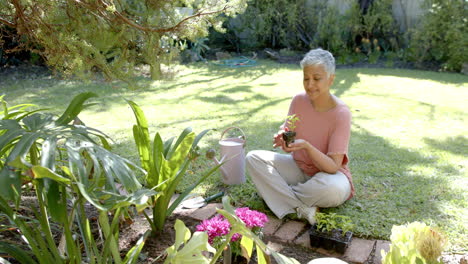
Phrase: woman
pixel 315 174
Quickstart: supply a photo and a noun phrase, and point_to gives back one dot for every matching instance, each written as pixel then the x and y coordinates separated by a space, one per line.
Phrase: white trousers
pixel 284 186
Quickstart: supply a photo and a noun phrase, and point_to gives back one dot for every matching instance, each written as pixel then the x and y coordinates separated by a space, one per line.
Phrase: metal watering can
pixel 233 156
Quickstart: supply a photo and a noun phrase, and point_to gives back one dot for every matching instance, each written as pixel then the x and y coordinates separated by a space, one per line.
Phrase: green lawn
pixel 408 147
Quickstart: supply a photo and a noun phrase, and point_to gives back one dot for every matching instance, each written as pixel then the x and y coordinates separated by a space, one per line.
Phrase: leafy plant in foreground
pixel 66 168
pixel 191 251
pixel 165 164
pixel 414 243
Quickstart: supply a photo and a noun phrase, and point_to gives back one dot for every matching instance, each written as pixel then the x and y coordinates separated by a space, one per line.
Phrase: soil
pixel 156 245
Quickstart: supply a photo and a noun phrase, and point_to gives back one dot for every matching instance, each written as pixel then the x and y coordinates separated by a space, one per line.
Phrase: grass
pixel 408 146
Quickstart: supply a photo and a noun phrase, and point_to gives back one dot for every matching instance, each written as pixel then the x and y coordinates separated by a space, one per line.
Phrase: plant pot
pixel 289 137
pixel 334 240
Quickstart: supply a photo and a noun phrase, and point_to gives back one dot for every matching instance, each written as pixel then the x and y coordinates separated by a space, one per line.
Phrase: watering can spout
pixel 219 162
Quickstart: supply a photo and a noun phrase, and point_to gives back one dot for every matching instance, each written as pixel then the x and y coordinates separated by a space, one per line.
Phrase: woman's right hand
pixel 278 138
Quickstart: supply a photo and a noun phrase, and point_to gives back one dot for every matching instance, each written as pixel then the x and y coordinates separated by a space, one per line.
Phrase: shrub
pixel 441 35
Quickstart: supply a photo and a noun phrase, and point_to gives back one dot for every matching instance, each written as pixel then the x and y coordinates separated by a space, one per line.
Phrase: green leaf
pixel 19 254
pixel 38 121
pixel 193 186
pixel 191 253
pixel 43 172
pixel 9 124
pixel 141 136
pixel 132 255
pixel 48 152
pixel 179 140
pixel 10 184
pixel 246 247
pixel 74 108
pixel 170 168
pixel 23 146
pixel 262 258
pixel 154 176
pixel 55 205
pixel 142 144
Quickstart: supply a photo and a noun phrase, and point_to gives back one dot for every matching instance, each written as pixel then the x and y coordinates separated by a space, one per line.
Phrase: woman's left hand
pixel 298 144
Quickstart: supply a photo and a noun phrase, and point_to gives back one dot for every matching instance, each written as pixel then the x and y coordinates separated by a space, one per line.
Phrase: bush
pixel 302 25
pixel 441 35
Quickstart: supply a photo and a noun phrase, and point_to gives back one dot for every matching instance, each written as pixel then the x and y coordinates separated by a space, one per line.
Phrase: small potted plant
pixel 331 232
pixel 289 136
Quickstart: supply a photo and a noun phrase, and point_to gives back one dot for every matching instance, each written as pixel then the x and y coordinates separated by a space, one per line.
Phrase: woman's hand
pixel 298 144
pixel 278 138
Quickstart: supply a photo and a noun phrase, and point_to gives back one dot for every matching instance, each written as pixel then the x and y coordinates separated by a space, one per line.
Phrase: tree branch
pixel 8 23
pixel 160 30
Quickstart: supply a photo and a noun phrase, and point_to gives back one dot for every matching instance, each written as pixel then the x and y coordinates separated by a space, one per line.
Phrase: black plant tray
pixel 333 240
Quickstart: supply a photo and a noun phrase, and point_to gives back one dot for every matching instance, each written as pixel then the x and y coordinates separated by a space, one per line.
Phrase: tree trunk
pixel 156 72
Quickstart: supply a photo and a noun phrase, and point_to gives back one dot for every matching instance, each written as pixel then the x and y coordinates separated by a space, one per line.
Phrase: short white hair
pixel 319 57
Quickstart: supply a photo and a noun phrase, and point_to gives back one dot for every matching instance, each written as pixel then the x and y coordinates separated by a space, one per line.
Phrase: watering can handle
pixel 229 128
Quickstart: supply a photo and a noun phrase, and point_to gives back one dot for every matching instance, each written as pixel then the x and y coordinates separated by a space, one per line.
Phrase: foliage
pixel 414 243
pixel 331 221
pixel 166 163
pixel 193 247
pixel 199 242
pixel 291 121
pixel 336 32
pixel 66 168
pixel 275 24
pixel 442 34
pixel 301 25
pixel 77 37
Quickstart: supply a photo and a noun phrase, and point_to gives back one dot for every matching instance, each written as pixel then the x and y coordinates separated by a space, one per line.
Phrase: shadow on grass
pixel 457 144
pixel 391 189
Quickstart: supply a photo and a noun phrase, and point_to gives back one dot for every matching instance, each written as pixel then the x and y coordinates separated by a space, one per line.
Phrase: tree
pixel 79 36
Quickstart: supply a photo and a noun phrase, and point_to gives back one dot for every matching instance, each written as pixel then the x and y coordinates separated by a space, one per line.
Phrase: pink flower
pixel 251 218
pixel 218 226
pixel 214 227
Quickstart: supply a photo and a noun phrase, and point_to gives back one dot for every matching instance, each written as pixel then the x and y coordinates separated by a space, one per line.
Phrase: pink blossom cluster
pixel 215 227
pixel 251 218
pixel 219 226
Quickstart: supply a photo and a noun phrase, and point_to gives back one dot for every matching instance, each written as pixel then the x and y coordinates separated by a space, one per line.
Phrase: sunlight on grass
pixel 409 132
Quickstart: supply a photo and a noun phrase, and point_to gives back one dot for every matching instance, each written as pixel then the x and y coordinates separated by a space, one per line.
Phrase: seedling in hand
pixel 290 136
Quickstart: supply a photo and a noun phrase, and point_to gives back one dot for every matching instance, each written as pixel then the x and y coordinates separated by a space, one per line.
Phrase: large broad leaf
pixel 153 178
pixel 38 122
pixel 48 152
pixel 191 253
pixel 7 140
pixel 56 203
pixel 43 172
pixel 171 166
pixel 114 201
pixel 179 140
pixel 74 108
pixel 141 135
pixel 142 144
pixel 22 147
pixel 10 183
pixel 9 124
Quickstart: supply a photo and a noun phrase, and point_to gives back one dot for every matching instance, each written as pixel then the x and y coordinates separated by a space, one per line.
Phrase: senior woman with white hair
pixel 315 174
